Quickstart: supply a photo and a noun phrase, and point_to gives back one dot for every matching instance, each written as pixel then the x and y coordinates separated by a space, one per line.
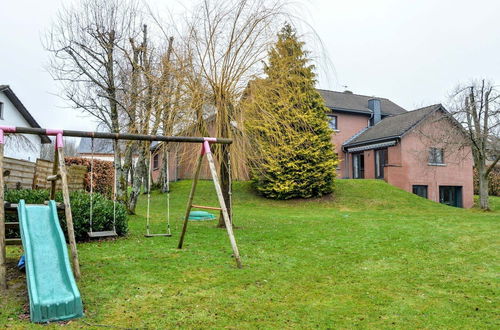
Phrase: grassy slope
pixel 374 256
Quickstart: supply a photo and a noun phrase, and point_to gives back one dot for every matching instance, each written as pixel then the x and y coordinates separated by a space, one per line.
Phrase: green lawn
pixel 372 256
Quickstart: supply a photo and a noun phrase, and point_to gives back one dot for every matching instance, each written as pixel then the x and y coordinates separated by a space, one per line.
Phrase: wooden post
pixel 190 199
pixel 53 184
pixel 67 207
pixel 220 196
pixel 3 256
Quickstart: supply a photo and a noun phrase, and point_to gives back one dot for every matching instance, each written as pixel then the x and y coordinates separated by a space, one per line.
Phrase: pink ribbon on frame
pixel 6 129
pixel 205 148
pixel 59 136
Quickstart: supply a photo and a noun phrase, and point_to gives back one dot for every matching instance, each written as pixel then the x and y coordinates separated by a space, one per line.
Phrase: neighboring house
pixel 103 149
pixel 14 113
pixel 377 139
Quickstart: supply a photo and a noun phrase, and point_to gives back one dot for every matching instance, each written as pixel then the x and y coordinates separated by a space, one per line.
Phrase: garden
pixel 372 256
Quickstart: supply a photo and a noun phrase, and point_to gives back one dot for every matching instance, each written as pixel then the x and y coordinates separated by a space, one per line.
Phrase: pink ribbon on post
pixel 59 136
pixel 205 148
pixel 6 129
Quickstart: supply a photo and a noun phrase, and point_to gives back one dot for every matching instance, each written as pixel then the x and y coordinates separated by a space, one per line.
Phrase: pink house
pixel 377 139
pixel 413 150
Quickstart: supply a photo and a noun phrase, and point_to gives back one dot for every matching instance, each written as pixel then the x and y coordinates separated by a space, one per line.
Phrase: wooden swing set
pixel 59 172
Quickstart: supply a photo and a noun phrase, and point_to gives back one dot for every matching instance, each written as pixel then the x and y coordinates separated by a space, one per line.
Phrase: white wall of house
pixel 15 148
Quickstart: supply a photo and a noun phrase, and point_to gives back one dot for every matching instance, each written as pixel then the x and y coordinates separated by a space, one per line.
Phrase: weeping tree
pixel 293 156
pixel 226 42
pixel 476 106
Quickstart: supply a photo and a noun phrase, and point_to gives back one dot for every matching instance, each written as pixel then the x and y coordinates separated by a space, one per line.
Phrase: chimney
pixel 374 106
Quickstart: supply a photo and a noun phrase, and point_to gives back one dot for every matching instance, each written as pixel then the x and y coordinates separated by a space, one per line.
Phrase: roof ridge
pixel 374 96
pixel 419 109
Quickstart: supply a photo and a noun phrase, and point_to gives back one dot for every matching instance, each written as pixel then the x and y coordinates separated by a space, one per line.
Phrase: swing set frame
pixel 59 172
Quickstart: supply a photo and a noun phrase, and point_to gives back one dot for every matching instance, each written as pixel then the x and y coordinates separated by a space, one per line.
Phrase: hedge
pixel 494 184
pixel 103 174
pixel 80 206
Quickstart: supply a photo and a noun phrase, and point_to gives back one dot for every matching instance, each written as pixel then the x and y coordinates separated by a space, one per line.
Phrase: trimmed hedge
pixel 80 207
pixel 494 184
pixel 103 174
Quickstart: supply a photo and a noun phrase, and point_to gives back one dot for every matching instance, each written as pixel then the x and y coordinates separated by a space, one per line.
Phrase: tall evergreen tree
pixel 286 118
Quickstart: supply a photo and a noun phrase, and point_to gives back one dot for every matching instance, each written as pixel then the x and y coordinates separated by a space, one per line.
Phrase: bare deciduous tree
pixel 87 42
pixel 70 149
pixel 476 106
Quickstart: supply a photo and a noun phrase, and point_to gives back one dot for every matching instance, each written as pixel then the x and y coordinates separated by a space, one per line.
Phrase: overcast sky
pixel 412 52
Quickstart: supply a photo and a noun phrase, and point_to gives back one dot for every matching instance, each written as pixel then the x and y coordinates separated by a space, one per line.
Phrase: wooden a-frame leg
pixel 225 214
pixel 190 199
pixel 67 211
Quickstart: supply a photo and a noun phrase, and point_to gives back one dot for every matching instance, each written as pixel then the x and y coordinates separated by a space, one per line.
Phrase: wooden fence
pixel 22 174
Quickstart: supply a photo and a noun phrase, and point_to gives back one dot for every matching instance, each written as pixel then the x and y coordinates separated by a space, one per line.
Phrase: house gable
pixel 18 105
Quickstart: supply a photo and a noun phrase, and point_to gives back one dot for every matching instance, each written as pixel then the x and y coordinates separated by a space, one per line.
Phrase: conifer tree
pixel 293 156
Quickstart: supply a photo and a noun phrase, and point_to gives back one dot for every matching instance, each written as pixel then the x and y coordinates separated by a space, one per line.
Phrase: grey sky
pixel 412 52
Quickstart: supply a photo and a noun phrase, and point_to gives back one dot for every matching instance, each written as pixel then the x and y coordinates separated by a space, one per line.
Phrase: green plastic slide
pixel 52 289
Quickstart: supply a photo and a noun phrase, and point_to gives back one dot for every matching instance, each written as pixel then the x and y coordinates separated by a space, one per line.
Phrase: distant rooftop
pixel 348 101
pixel 101 146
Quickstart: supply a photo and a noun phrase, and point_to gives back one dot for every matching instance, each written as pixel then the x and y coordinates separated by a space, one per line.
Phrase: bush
pixel 494 183
pixel 80 207
pixel 103 174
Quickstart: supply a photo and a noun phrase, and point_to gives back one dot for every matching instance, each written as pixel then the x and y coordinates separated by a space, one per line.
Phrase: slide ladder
pixel 52 289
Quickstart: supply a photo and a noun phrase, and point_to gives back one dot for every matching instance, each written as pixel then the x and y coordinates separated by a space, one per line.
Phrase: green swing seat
pixel 201 216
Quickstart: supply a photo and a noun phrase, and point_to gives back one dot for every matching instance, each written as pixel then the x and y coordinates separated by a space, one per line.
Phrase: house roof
pixel 392 127
pixel 347 101
pixel 101 146
pixel 22 110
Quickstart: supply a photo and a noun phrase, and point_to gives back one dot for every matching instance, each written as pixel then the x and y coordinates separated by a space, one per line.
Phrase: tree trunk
pixel 225 181
pixel 164 169
pixel 140 176
pixel 483 188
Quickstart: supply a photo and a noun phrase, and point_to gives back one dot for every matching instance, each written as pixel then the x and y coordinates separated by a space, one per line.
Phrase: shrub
pixel 103 174
pixel 494 182
pixel 102 217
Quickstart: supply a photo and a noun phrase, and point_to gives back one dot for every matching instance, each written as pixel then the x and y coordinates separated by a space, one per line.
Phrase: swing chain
pixel 91 182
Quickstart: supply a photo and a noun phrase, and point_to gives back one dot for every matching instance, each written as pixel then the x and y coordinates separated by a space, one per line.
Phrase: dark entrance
pixel 358 165
pixel 381 159
pixel 450 195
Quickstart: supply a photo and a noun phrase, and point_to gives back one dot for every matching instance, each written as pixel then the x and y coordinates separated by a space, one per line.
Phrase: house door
pixel 358 165
pixel 380 162
pixel 450 195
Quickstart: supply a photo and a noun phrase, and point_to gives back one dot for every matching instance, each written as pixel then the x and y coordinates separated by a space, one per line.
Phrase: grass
pixel 373 256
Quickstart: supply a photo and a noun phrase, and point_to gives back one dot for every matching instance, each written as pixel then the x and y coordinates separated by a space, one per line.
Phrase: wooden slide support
pixel 205 150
